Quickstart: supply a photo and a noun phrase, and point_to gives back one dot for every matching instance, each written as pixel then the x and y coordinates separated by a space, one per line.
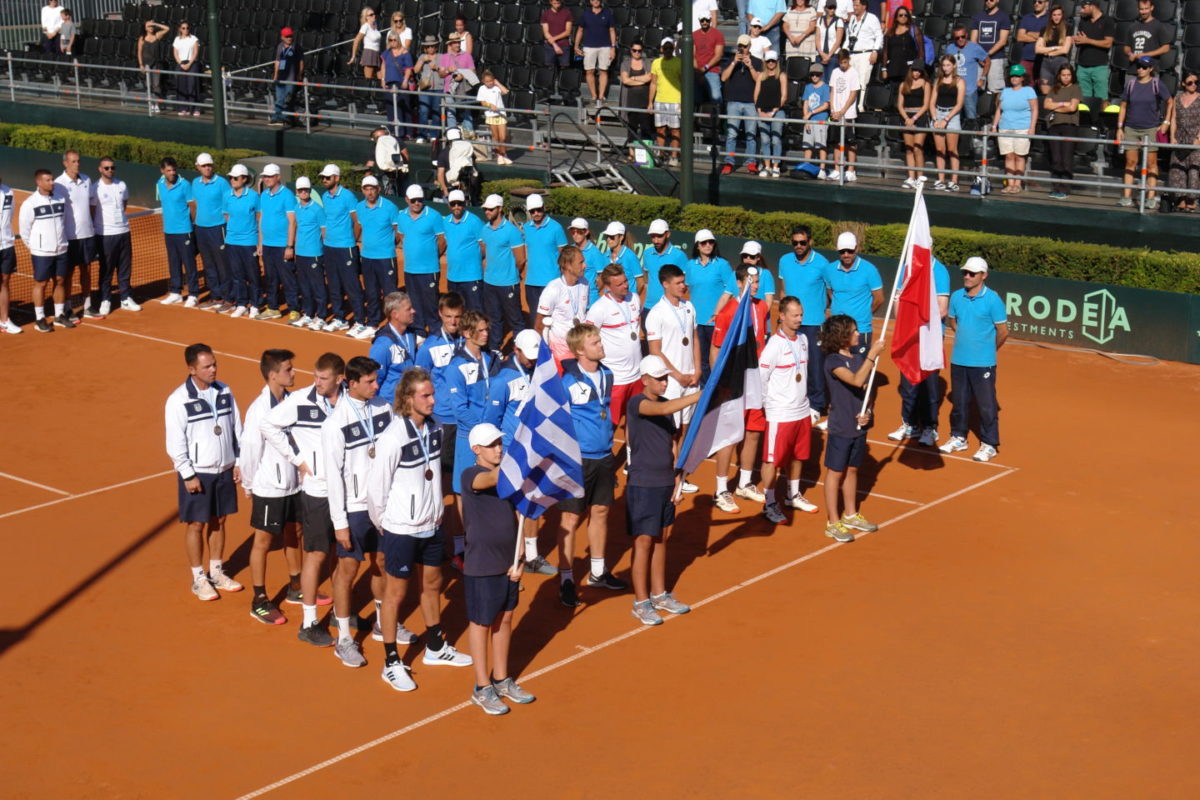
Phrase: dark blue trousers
pixel 705 334
pixel 243 268
pixel 310 273
pixel 422 290
pixel 502 304
pixel 276 271
pixel 920 405
pixel 818 398
pixel 342 271
pixel 217 273
pixel 379 278
pixel 533 296
pixel 116 255
pixel 181 263
pixel 974 386
pixel 471 291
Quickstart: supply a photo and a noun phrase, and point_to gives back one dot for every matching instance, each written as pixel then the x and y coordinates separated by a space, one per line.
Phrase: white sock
pixel 597 566
pixel 794 488
pixel 344 628
pixel 565 576
pixel 722 484
pixel 59 309
pixel 531 548
pixel 744 476
pixel 770 493
pixel 310 615
pixel 214 566
pixel 197 572
pixel 39 313
pixel 459 545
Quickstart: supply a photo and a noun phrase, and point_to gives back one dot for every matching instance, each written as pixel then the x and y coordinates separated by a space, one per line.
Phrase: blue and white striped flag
pixel 543 464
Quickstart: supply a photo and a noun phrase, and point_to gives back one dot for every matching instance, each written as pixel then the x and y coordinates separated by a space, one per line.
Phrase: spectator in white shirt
pixel 864 40
pixel 52 22
pixel 759 43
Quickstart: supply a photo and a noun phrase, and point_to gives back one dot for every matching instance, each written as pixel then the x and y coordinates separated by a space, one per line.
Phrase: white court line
pixel 33 483
pixel 179 344
pixel 935 452
pixel 587 651
pixel 85 494
pixel 866 493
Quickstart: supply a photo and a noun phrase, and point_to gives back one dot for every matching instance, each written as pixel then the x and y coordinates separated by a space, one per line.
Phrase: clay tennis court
pixel 1026 627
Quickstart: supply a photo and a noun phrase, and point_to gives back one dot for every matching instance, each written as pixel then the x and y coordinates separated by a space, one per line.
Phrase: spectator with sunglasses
pixel 900 47
pixel 973 64
pixel 855 287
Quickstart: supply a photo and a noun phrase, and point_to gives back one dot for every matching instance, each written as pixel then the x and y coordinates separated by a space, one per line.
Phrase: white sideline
pixel 33 483
pixel 84 494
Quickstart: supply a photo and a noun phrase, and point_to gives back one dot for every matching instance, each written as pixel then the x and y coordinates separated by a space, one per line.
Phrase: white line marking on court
pixel 179 344
pixel 86 494
pixel 587 651
pixel 33 483
pixel 935 452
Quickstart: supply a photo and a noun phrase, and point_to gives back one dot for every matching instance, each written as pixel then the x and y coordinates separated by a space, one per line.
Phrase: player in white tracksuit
pixel 43 228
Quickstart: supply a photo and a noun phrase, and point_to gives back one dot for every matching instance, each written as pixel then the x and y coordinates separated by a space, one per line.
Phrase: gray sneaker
pixel 540 566
pixel 773 514
pixel 509 690
pixel 487 699
pixel 348 653
pixel 403 634
pixel 316 634
pixel 643 612
pixel 667 602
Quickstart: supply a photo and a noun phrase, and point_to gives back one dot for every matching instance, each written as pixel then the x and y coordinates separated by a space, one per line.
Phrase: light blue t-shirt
pixel 501 268
pixel 652 262
pixel 378 228
pixel 174 199
pixel 975 319
pixel 707 282
pixel 275 207
pixel 969 59
pixel 852 290
pixel 210 201
pixel 542 243
pixel 766 284
pixel 941 277
pixel 339 227
pixel 815 97
pixel 1015 113
pixel 464 262
pixel 805 280
pixel 241 227
pixel 765 9
pixel 310 219
pixel 593 261
pixel 420 245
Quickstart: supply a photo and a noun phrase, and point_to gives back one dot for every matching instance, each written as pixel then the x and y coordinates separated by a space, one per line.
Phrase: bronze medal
pixel 799 377
pixel 633 335
pixel 603 414
pixel 371 451
pixel 428 474
pixel 685 341
pixel 217 430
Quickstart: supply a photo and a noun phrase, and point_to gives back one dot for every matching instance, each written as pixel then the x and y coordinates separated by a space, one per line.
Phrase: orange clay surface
pixel 1016 629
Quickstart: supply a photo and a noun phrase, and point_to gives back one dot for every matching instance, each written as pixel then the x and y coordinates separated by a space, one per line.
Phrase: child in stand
pixel 846 373
pixel 491 97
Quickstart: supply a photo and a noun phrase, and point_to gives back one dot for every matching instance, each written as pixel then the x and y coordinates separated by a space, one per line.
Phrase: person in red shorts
pixel 618 315
pixel 783 367
pixel 755 421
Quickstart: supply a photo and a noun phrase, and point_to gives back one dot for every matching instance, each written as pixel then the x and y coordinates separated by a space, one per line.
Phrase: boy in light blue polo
pixel 310 249
pixel 659 254
pixel 376 228
pixel 802 273
pixel 422 241
pixel 242 243
pixel 504 250
pixel 277 221
pixel 980 326
pixel 544 237
pixel 342 266
pixel 175 196
pixel 920 405
pixel 856 289
pixel 464 253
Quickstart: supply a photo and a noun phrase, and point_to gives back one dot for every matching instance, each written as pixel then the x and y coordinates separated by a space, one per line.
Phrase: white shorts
pixel 673 391
pixel 666 115
pixel 597 58
pixel 1012 144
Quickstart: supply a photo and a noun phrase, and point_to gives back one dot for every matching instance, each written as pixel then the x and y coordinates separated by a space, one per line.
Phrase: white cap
pixel 975 264
pixel 331 169
pixel 370 180
pixel 579 223
pixel 493 201
pixel 705 235
pixel 239 170
pixel 667 40
pixel 414 192
pixel 756 21
pixel 303 183
pixel 456 196
pixel 534 201
pixel 528 342
pixel 453 134
pixel 203 158
pixel 483 434
pixel 751 271
pixel 654 366
pixel 614 229
pixel 847 241
pixel 270 169
pixel 770 55
pixel 752 248
pixel 658 227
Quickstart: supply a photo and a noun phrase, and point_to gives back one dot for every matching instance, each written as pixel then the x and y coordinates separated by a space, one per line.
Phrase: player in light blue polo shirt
pixel 711 282
pixel 175 196
pixel 464 253
pixel 977 317
pixel 802 275
pixel 310 250
pixel 342 268
pixel 921 405
pixel 504 254
pixel 376 230
pixel 856 289
pixel 277 221
pixel 544 237
pixel 242 245
pixel 659 254
pixel 422 241
pixel 208 217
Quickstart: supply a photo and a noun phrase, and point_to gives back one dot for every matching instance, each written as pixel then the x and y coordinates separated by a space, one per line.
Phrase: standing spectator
pixel 770 95
pixel 972 63
pixel 709 49
pixel 465 37
pixel 491 97
pixel 450 66
pixel 814 109
pixel 802 273
pixel 1062 119
pixel 1095 38
pixel 1147 36
pixel 289 69
pixel 1029 29
pixel 67 33
pixel 81 233
pixel 596 44
pixel 800 31
pixel 710 9
pixel 900 48
pixel 375 226
pixel 369 38
pixel 175 196
pixel 399 28
pixel 110 197
pixel 666 94
pixel 557 26
pixel 740 78
pixel 186 49
pixel 759 44
pixel 635 93
pixel 1054 47
pixel 464 251
pixel 8 257
pixel 1185 129
pixel 845 89
pixel 711 283
pixel 990 29
pixel 51 25
pixel 864 40
pixel 1016 112
pixel 544 238
pixel 946 104
pixel 1145 112
pixel 913 104
pixel 770 12
pixel 855 288
pixel 980 324
pixel 423 245
pixel 208 215
pixel 396 76
pixel 830 36
pixel 42 223
pixel 429 102
pixel 150 59
pixel 504 253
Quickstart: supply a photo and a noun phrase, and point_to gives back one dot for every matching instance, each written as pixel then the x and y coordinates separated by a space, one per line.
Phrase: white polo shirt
pixel 783 368
pixel 109 201
pixel 619 323
pixel 78 219
pixel 563 305
pixel 670 324
pixel 7 203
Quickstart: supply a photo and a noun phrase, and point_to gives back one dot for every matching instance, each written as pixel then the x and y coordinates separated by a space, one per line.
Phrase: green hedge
pixel 593 204
pixel 132 149
pixel 351 178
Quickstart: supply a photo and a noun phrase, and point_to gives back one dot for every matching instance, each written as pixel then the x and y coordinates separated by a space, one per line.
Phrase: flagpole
pixel 905 259
pixel 520 540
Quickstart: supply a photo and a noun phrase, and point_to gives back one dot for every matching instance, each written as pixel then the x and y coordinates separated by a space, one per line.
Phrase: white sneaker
pixel 301 322
pixel 105 308
pixel 823 425
pixel 689 488
pixel 365 332
pixel 724 501
pixel 203 589
pixel 955 444
pixel 985 453
pixel 254 312
pixel 354 332
pixel 129 305
pixel 905 431
pixel 335 325
pixel 851 176
pixel 822 175
pixel 833 175
pixel 750 492
pixel 191 302
pixel 814 416
pixel 446 657
pixel 171 299
pixel 240 311
pixel 317 324
pixel 396 675
pixel 907 183
pixel 798 502
pixel 928 438
pixel 8 326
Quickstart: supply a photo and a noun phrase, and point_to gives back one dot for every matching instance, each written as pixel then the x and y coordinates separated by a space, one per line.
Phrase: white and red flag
pixel 917 342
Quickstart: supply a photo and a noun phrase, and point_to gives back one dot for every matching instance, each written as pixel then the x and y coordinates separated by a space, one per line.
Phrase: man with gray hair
pixel 395 346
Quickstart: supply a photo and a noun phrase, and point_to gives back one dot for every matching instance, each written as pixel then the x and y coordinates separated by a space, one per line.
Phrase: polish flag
pixel 917 343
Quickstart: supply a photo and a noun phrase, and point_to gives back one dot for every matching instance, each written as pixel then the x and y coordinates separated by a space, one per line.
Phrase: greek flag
pixel 542 464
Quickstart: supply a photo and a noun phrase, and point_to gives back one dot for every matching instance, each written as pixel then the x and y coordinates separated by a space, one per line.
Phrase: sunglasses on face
pixel 108 168
pixel 960 36
pixel 707 244
pixel 799 241
pixel 844 252
pixel 412 201
pixel 1189 83
pixel 454 203
pixel 638 51
pixel 966 273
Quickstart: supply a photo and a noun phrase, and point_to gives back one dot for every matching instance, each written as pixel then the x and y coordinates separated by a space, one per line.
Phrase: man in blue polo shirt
pixel 660 253
pixel 855 288
pixel 278 226
pixel 310 264
pixel 376 232
pixel 208 216
pixel 175 196
pixel 242 243
pixel 802 273
pixel 920 405
pixel 980 326
pixel 504 254
pixel 464 251
pixel 544 237
pixel 341 253
pixel 422 243
pixel 593 259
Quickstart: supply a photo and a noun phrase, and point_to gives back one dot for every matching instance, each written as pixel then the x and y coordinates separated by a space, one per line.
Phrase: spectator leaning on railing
pixel 1145 110
pixel 666 83
pixel 1185 129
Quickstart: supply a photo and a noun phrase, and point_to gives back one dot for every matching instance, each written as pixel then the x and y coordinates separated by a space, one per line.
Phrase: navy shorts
pixel 81 251
pixel 845 451
pixel 648 510
pixel 363 537
pixel 271 514
pixel 318 527
pixel 401 552
pixel 488 596
pixel 217 497
pixel 599 486
pixel 8 261
pixel 47 267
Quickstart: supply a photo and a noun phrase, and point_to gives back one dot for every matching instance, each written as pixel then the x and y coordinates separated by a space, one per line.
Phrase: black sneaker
pixel 316 634
pixel 566 594
pixel 43 326
pixel 607 581
pixel 64 320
